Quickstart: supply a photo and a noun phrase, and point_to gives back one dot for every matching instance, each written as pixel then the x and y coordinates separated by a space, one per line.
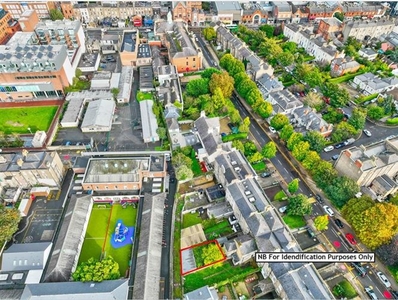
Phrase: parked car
pixel 310 232
pixel 282 209
pixel 335 157
pixel 339 223
pixel 367 132
pixel 349 142
pixel 383 279
pixel 339 145
pixel 328 148
pixel 361 270
pixel 369 290
pixel 351 238
pixel 265 174
pixel 394 294
pixel 272 129
pixel 318 198
pixel 328 210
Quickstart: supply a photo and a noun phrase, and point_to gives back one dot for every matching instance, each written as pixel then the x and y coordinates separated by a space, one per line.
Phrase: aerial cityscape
pixel 198 150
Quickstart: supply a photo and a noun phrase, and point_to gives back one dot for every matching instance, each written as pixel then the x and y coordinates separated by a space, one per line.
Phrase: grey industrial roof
pixel 105 290
pixel 148 121
pixel 148 262
pixel 144 51
pixel 65 252
pixel 30 256
pixel 99 113
pixel 227 5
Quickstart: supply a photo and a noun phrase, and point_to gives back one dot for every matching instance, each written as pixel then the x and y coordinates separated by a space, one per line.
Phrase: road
pixel 332 234
pixel 206 53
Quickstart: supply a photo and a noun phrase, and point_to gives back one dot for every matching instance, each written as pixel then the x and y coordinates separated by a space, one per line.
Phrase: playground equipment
pixel 120 232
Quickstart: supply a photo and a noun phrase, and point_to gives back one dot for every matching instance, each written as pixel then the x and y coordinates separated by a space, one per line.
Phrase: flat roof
pixel 144 51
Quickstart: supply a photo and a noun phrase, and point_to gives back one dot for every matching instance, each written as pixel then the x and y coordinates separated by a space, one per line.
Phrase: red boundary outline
pixel 205 266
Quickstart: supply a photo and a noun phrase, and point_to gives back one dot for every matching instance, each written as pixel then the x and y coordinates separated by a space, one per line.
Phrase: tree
pixel 358 118
pixel 340 99
pixel 209 33
pixel 207 73
pixel 232 65
pixel 245 125
pixel 294 139
pixel 321 222
pixel 197 87
pixel 323 173
pixel 56 14
pixel 234 116
pixel 115 92
pixel 268 30
pixel 293 186
pixel 184 173
pixel 211 253
pixel 316 140
pixel 269 150
pixel 300 150
pixel 218 100
pixel 341 189
pixel 245 87
pixel 240 77
pixel 375 112
pixel 94 270
pixel 222 81
pixel 285 58
pixel 343 131
pixel 313 100
pixel 299 206
pixel 250 148
pixel 314 77
pixel 238 145
pixel 289 47
pixel 179 160
pixel 377 225
pixel 264 109
pixel 162 133
pixel 9 220
pixel 388 253
pixel 286 132
pixel 356 207
pixel 256 157
pixel 338 15
pixel 278 121
pixel 311 159
pixel 269 49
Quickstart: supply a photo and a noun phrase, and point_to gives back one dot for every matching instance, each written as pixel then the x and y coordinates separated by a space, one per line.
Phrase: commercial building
pixel 128 51
pixel 228 10
pixel 99 116
pixel 8 26
pixel 26 169
pixel 366 162
pixel 149 122
pixel 125 174
pixel 183 10
pixel 31 72
pixel 17 8
pixel 28 20
pixel 125 83
pixel 144 55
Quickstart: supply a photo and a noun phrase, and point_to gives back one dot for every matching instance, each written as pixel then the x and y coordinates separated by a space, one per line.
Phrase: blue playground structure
pixel 122 236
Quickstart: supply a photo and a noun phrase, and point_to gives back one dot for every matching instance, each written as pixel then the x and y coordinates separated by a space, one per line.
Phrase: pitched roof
pixel 105 290
pixel 99 113
pixel 208 132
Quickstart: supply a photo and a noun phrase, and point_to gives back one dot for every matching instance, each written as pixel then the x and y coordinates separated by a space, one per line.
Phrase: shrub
pixel 344 78
pixel 392 121
pixel 280 196
pixel 234 136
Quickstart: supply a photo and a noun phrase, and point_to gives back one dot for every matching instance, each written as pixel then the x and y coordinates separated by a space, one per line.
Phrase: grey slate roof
pixel 99 113
pixel 29 256
pixel 207 133
pixel 105 290
pixel 203 293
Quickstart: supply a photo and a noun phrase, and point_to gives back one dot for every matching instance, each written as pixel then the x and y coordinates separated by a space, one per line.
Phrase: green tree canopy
pixel 299 206
pixel 286 132
pixel 238 145
pixel 321 222
pixel 316 140
pixel 375 112
pixel 207 73
pixel 268 30
pixel 269 150
pixel 222 81
pixel 56 14
pixel 285 58
pixel 341 189
pixel 358 118
pixel 197 87
pixel 245 125
pixel 300 150
pixel 211 254
pixel 278 121
pixel 184 173
pixel 323 173
pixel 388 253
pixel 343 131
pixel 294 139
pixel 179 160
pixel 264 109
pixel 356 207
pixel 313 100
pixel 9 220
pixel 161 131
pixel 218 100
pixel 94 270
pixel 293 186
pixel 256 157
pixel 209 33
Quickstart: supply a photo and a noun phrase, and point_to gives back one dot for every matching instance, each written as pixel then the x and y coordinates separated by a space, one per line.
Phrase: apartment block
pixel 28 20
pixel 368 29
pixel 127 173
pixel 26 169
pixel 41 7
pixel 366 162
pixel 33 72
pixel 8 26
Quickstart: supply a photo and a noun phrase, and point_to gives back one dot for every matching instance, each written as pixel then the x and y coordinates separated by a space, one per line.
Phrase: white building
pixel 99 116
pixel 148 122
pixel 370 84
pixel 125 83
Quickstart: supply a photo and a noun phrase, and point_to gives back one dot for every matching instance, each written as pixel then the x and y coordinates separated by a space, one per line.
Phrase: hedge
pixel 234 136
pixel 344 78
pixel 393 121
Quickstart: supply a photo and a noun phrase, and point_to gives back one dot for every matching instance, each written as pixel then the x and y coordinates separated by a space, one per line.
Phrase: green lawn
pixel 280 196
pixel 215 275
pixel 122 255
pixel 259 166
pixel 344 289
pixel 190 220
pixel 294 221
pixel 219 229
pixel 97 230
pixel 144 96
pixel 394 272
pixel 18 119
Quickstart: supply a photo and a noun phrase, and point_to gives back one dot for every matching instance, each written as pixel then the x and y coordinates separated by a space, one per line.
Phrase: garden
pixel 344 289
pixel 25 120
pixel 207 254
pixel 101 226
pixel 294 221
